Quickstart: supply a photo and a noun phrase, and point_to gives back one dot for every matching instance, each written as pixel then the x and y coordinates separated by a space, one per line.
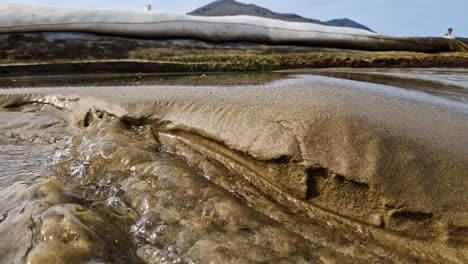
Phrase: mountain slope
pixel 346 22
pixel 234 8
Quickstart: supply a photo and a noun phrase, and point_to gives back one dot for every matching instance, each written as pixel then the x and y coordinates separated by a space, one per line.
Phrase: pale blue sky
pixel 390 17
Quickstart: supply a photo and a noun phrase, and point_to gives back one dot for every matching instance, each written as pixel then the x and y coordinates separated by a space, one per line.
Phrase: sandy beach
pixel 383 165
pixel 233 134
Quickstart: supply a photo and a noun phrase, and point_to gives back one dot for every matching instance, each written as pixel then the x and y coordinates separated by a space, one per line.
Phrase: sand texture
pixel 395 163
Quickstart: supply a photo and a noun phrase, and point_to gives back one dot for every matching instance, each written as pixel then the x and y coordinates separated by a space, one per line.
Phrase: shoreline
pixel 236 63
pixel 62 52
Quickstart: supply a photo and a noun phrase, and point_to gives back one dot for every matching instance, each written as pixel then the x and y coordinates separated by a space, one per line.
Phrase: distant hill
pixel 346 22
pixel 234 8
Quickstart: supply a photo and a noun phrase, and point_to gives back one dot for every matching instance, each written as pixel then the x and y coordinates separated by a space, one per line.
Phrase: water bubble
pixel 174 258
pixel 161 230
pixel 188 261
pixel 57 156
pixel 117 204
pixel 116 190
pixel 160 253
pixel 156 234
pixel 79 170
pixel 150 251
pixel 153 238
pixel 173 249
pixel 139 228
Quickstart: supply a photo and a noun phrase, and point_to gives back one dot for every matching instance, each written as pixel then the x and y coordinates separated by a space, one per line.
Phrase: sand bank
pixel 371 157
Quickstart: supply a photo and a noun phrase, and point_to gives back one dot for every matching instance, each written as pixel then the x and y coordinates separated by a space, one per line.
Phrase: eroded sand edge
pixel 363 155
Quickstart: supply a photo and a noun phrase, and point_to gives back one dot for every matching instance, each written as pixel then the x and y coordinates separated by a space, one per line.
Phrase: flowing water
pixel 447 83
pixel 110 194
pixel 117 191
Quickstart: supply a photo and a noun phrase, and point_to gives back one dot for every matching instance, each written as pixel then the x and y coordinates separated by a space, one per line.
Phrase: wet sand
pixel 302 170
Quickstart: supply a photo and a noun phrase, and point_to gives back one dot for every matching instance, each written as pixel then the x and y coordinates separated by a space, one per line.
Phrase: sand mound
pixel 383 160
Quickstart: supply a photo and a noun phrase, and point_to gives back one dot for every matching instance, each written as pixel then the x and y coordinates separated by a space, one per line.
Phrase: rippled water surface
pixel 446 83
pixel 114 191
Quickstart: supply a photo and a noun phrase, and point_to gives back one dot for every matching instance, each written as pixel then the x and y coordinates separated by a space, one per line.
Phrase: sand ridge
pixel 395 159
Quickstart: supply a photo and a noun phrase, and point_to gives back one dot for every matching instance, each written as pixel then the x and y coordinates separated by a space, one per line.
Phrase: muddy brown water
pixel 115 192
